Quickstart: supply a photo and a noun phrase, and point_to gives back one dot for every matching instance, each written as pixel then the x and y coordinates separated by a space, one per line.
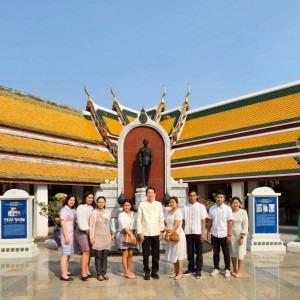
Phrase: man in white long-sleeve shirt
pixel 150 226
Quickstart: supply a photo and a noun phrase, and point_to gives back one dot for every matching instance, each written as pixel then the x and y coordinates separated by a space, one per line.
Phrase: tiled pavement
pixel 266 276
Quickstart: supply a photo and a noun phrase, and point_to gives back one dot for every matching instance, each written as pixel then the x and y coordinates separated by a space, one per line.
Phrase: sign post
pixel 16 225
pixel 263 221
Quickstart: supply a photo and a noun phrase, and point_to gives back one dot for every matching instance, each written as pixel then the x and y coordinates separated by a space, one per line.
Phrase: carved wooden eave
pixel 180 122
pixel 161 106
pixel 101 126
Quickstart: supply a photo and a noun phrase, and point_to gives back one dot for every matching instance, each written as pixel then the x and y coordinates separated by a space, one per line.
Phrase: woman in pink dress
pixel 68 242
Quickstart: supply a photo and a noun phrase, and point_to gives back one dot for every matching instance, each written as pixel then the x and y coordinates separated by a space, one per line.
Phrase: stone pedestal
pixel 140 195
pixel 16 225
pixel 263 221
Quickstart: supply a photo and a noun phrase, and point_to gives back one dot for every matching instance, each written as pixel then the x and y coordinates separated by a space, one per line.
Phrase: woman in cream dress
pixel 238 243
pixel 175 251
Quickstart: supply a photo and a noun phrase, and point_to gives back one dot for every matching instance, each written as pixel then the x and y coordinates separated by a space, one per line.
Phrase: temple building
pixel 236 145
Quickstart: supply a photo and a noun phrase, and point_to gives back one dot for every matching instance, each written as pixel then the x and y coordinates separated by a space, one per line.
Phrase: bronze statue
pixel 146 158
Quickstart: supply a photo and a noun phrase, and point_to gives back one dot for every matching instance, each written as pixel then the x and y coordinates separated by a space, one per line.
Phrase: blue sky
pixel 224 49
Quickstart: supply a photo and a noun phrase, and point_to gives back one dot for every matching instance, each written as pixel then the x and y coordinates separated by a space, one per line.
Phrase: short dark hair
pixel 174 198
pixel 220 192
pixel 150 188
pixel 132 208
pixel 65 202
pixel 236 198
pixel 192 191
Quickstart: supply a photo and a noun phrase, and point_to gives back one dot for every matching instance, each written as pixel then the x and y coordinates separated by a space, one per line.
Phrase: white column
pixel 202 190
pixel 238 190
pixel 77 191
pixel 40 223
pixel 23 186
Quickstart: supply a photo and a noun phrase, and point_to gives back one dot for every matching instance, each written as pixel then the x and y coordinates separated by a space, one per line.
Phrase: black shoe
pixel 89 276
pixel 85 278
pixel 188 272
pixel 147 277
pixel 198 275
pixel 66 279
pixel 155 276
pixel 70 274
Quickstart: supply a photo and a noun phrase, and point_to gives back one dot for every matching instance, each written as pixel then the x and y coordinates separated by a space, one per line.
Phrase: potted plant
pixel 51 211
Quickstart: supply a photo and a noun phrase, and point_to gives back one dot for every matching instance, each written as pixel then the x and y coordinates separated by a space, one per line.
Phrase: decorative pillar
pixel 238 190
pixel 40 223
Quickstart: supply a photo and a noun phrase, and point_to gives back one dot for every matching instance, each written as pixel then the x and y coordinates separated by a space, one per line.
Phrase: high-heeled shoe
pixel 84 278
pixel 66 279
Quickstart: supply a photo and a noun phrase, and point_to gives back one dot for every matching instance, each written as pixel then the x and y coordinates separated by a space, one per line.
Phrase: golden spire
pixel 162 100
pixel 113 94
pixel 87 93
pixel 186 100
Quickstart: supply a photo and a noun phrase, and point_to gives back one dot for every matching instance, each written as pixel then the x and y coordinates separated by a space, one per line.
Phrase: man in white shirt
pixel 194 215
pixel 219 228
pixel 150 227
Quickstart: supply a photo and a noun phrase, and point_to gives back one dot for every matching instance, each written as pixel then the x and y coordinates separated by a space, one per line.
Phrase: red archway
pixel 132 171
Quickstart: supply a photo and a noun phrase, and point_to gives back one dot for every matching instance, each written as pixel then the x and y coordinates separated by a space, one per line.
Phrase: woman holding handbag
pixel 101 236
pixel 127 237
pixel 175 239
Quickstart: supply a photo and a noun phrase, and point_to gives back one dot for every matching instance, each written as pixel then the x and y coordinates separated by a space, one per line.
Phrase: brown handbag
pixel 174 237
pixel 130 240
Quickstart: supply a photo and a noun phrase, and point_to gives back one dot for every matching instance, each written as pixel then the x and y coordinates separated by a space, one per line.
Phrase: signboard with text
pixel 14 219
pixel 265 214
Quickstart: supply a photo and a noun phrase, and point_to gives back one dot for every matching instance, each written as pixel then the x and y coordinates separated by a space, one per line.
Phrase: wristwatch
pixel 229 235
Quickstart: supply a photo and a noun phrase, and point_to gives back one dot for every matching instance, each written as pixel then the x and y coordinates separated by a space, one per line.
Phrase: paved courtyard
pixel 265 276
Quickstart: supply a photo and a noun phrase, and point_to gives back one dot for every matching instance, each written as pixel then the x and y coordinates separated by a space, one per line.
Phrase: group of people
pixel 184 233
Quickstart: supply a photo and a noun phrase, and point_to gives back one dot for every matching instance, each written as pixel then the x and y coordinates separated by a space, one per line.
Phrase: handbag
pixel 129 239
pixel 174 237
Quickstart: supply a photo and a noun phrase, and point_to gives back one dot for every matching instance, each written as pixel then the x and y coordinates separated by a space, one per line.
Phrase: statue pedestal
pixel 140 195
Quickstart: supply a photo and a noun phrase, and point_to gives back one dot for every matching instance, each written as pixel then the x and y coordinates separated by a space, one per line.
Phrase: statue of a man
pixel 146 158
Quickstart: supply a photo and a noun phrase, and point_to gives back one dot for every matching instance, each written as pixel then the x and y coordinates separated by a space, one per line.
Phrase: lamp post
pixel 297 158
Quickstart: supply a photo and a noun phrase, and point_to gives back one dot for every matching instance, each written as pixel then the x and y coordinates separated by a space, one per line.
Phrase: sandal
pixel 173 275
pixel 178 277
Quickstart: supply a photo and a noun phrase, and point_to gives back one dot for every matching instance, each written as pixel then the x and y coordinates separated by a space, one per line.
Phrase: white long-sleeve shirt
pixel 83 214
pixel 150 219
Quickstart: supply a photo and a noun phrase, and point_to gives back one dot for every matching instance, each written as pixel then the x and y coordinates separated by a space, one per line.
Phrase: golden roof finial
pixel 113 94
pixel 87 93
pixel 162 100
pixel 186 100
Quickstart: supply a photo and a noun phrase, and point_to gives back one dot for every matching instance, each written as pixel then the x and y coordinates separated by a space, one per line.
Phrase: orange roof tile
pixel 246 145
pixel 17 144
pixel 27 113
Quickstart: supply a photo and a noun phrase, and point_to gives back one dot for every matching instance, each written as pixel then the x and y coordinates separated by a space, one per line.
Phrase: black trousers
pixel 194 246
pixel 151 244
pixel 216 244
pixel 101 261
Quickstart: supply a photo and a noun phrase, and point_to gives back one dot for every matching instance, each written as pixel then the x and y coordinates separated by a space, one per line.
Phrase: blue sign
pixel 14 219
pixel 265 214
